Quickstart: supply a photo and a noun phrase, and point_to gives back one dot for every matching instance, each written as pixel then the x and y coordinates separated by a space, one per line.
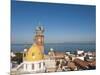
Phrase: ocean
pixel 72 47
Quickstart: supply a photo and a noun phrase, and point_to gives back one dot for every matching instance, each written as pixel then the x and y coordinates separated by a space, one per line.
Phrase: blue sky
pixel 62 22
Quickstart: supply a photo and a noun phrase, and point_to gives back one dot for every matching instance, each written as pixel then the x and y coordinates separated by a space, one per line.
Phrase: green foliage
pixel 18 58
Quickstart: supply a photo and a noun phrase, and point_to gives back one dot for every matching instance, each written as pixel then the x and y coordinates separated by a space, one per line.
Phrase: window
pixel 33 66
pixel 32 54
pixel 26 66
pixel 24 54
pixel 43 64
pixel 39 65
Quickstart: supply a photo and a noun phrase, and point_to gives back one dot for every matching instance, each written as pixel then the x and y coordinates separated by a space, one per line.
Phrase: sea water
pixel 62 47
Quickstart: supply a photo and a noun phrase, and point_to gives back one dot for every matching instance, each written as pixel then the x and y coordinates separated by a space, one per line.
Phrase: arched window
pixel 26 66
pixel 43 64
pixel 39 65
pixel 33 66
pixel 24 54
pixel 32 54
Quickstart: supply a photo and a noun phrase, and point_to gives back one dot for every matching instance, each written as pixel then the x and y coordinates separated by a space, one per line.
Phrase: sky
pixel 62 22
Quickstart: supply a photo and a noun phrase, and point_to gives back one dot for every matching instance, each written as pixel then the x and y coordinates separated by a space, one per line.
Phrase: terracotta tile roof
pixel 81 63
pixel 92 63
pixel 85 64
pixel 59 54
pixel 71 65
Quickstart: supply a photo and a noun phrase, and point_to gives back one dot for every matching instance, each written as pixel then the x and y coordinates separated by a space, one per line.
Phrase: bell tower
pixel 33 57
pixel 39 37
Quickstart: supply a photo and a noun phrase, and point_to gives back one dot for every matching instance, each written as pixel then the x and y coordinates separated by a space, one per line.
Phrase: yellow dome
pixel 34 53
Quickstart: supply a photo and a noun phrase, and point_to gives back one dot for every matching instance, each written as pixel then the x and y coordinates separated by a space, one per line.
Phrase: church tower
pixel 33 57
pixel 39 37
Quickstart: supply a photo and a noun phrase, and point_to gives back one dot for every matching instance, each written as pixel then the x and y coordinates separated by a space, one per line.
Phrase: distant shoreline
pixel 51 43
pixel 72 47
